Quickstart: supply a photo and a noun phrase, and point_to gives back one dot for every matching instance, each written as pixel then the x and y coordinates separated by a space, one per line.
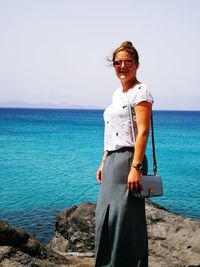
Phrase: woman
pixel 121 233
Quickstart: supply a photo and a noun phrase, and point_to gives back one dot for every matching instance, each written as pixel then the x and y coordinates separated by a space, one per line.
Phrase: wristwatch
pixel 137 166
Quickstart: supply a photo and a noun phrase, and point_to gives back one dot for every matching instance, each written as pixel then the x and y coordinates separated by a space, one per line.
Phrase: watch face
pixel 138 166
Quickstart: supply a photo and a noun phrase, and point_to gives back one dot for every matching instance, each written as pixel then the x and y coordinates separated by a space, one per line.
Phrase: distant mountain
pixel 20 104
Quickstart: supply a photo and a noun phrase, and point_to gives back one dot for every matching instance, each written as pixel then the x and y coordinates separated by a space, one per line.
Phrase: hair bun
pixel 127 44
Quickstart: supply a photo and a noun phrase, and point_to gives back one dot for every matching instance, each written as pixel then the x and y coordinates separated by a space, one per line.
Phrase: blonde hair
pixel 129 48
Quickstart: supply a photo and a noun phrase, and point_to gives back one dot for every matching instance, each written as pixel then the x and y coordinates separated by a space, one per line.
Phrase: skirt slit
pixel 103 242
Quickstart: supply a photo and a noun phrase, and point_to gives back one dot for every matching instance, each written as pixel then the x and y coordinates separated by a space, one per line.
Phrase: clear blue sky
pixel 55 50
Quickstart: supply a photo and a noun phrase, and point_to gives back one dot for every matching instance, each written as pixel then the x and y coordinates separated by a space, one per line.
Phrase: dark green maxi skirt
pixel 121 233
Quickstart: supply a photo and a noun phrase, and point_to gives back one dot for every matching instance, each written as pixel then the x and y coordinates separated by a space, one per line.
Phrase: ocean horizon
pixel 79 107
pixel 49 158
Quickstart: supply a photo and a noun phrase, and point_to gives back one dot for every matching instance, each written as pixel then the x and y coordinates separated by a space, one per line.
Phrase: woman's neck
pixel 126 85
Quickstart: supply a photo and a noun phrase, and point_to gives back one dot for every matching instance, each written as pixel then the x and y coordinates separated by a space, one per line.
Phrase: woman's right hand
pixel 99 171
pixel 99 174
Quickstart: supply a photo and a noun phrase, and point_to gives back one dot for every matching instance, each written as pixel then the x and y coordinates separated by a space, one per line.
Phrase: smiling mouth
pixel 122 76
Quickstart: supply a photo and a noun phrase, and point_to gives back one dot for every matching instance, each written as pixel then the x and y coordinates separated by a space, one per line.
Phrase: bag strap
pixel 153 146
pixel 152 138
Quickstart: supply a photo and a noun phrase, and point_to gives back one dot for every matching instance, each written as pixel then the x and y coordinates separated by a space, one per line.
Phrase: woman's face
pixel 125 66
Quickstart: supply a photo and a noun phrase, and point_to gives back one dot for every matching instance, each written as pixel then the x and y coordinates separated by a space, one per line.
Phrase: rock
pixel 19 248
pixel 75 229
pixel 174 241
pixel 174 238
pixel 80 261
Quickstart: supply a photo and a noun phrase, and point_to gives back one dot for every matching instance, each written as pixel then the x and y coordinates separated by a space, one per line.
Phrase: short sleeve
pixel 142 94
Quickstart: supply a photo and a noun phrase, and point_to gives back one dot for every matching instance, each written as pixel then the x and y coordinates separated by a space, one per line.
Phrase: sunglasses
pixel 118 63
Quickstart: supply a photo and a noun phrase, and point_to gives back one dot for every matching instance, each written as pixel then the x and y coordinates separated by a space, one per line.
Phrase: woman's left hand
pixel 134 180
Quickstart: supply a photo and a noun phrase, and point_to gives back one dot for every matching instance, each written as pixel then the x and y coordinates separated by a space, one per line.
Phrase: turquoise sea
pixel 49 158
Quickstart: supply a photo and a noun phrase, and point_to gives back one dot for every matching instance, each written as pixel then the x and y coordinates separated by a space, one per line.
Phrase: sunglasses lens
pixel 127 63
pixel 117 63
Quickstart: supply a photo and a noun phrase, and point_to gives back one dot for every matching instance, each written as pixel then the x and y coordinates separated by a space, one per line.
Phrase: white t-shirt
pixel 117 131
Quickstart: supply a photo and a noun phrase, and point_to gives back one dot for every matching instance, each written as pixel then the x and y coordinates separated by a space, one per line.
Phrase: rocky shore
pixel 174 241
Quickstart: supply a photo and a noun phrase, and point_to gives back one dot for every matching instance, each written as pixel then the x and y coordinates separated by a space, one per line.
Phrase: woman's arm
pixel 99 171
pixel 143 118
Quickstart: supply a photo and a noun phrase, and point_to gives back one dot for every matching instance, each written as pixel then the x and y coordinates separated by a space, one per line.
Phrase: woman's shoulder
pixel 142 86
pixel 141 93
